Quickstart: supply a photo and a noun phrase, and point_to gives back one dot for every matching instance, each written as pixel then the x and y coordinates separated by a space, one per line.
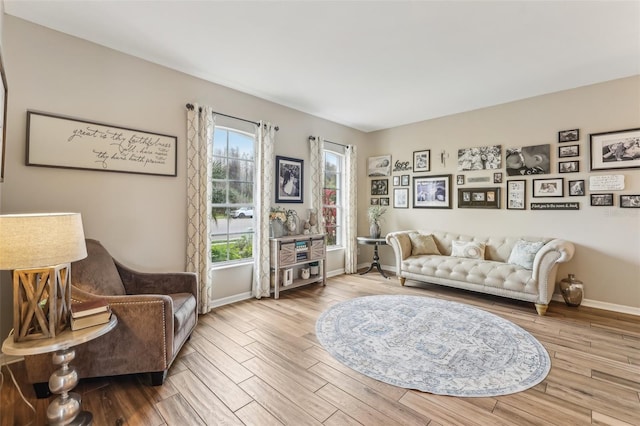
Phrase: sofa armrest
pixel 136 282
pixel 401 244
pixel 545 266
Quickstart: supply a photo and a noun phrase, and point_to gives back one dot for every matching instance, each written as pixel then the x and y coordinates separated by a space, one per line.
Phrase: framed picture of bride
pixel 289 180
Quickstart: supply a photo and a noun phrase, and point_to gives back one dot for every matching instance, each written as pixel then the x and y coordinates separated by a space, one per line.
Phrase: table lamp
pixel 39 248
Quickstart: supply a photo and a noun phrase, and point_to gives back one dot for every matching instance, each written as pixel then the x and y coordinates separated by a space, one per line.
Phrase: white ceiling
pixel 368 65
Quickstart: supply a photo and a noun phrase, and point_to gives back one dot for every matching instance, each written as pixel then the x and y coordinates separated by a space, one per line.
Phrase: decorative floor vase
pixel 572 290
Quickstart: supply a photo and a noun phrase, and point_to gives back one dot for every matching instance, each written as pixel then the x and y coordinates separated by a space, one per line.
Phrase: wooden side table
pixel 376 242
pixel 65 409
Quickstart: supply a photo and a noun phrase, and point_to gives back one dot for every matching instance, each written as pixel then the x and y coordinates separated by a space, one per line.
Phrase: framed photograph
pixel 569 166
pixel 380 187
pixel 516 194
pixel 289 182
pixel 601 200
pixel 3 117
pixel 497 177
pixel 384 201
pixel 375 201
pixel 396 181
pixel 480 158
pixel 72 143
pixel 422 161
pixel 548 187
pixel 568 151
pixel 528 160
pixel 569 135
pixel 432 192
pixel 460 179
pixel 630 201
pixel 479 198
pixel 576 188
pixel 379 166
pixel 615 150
pixel 404 180
pixel 401 198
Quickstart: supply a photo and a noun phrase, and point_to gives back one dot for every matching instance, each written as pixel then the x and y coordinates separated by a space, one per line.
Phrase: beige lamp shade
pixel 40 240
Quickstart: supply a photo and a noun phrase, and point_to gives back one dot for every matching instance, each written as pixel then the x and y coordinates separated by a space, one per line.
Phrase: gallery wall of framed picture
pixel 530 172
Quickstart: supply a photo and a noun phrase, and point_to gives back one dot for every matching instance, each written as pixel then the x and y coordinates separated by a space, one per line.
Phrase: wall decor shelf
pixel 289 255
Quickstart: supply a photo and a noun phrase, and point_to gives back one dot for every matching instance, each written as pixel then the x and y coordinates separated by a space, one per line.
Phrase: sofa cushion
pixel 468 249
pixel 524 252
pixel 423 244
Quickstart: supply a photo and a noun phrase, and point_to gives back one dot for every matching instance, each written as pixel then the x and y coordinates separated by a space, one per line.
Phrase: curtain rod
pixel 191 107
pixel 313 138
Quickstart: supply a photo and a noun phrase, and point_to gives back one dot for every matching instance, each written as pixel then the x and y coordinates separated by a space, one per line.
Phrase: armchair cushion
pixel 97 273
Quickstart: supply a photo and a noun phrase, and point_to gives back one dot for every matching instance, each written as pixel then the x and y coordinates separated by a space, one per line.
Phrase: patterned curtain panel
pixel 265 167
pixel 351 223
pixel 200 125
pixel 317 178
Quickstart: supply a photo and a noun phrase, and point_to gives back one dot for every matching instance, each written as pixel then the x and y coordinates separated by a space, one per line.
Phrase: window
pixel 232 197
pixel 333 200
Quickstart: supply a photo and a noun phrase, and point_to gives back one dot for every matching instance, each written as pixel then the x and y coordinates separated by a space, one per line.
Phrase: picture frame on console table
pixel 615 150
pixel 432 192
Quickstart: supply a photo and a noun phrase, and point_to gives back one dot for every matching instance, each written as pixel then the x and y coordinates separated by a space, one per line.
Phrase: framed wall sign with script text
pixel 56 141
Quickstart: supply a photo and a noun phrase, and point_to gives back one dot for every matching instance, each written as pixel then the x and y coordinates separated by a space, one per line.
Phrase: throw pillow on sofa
pixel 423 244
pixel 468 249
pixel 524 252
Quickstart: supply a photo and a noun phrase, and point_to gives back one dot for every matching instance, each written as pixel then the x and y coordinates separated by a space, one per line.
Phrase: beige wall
pixel 140 219
pixel 607 238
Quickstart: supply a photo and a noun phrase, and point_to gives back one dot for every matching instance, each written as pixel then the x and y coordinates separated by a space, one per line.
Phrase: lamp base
pixel 42 302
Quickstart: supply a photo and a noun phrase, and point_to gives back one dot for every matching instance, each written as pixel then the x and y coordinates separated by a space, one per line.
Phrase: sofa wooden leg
pixel 157 378
pixel 42 390
pixel 402 280
pixel 542 309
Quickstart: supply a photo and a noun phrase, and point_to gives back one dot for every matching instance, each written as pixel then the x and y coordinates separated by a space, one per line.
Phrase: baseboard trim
pixel 590 303
pixel 216 303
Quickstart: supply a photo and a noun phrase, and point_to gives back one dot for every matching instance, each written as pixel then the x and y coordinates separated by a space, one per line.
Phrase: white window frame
pixel 340 199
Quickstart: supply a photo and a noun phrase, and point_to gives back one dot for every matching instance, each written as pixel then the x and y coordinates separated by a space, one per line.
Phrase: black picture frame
pixel 602 200
pixel 569 166
pixel 289 180
pixel 405 180
pixel 422 160
pixel 401 198
pixel 630 201
pixel 460 179
pixel 497 177
pixel 380 187
pixel 3 116
pixel 565 151
pixel 432 192
pixel 576 188
pixel 569 135
pixel 614 150
pixel 517 194
pixel 552 187
pixel 384 201
pixel 479 198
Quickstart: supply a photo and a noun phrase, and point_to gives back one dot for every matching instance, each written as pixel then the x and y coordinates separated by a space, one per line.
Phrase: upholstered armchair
pixel 157 312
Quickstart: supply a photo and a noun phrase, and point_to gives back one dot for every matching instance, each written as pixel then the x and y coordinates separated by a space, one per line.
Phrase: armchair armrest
pixel 136 282
pixel 545 266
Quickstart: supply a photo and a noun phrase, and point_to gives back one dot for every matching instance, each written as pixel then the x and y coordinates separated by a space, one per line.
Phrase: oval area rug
pixel 433 345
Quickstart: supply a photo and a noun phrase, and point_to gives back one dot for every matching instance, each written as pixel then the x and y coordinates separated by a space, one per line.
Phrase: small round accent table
pixel 65 409
pixel 375 242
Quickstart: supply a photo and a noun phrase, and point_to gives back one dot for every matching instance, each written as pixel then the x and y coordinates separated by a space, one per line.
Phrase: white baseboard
pixel 603 305
pixel 216 303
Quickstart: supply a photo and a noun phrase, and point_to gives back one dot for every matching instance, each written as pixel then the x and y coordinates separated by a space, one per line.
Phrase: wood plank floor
pixel 258 362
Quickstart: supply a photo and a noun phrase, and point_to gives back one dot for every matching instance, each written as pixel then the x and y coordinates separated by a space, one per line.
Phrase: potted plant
pixel 375 216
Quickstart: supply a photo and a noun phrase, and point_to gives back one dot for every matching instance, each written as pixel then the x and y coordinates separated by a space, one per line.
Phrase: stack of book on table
pixel 89 313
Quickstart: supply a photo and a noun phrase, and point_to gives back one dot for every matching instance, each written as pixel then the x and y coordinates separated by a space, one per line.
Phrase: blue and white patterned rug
pixel 433 345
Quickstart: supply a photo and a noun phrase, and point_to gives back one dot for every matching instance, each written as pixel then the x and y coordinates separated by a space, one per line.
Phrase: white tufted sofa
pixel 492 275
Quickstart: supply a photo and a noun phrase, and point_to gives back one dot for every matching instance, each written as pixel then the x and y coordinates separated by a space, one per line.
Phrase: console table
pixel 375 242
pixel 289 255
pixel 65 409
